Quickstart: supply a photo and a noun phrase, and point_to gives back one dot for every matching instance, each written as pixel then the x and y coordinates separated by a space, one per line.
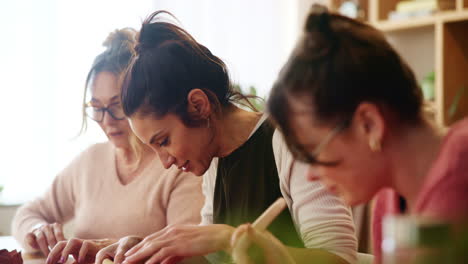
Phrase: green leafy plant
pixel 257 101
pixel 427 86
pixel 453 109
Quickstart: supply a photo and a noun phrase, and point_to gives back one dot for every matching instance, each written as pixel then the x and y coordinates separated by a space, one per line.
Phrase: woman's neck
pixel 414 150
pixel 129 164
pixel 234 129
pixel 125 155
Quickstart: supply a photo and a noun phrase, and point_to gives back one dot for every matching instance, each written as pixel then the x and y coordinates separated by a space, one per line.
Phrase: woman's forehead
pixel 299 103
pixel 302 121
pixel 146 126
pixel 105 86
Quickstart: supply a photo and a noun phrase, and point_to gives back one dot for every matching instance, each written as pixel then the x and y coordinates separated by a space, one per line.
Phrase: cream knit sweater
pixel 90 192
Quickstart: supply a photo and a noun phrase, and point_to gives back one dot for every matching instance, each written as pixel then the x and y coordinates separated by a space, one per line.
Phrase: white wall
pixel 254 38
pixel 47 49
pixel 48 46
pixel 6 215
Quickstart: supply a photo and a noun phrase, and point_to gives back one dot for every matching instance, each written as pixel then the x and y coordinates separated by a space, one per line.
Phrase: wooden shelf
pixel 388 26
pixel 437 42
pixel 453 65
pixel 406 24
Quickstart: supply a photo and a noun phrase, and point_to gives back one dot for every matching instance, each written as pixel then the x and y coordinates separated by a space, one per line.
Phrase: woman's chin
pixel 199 170
pixel 119 142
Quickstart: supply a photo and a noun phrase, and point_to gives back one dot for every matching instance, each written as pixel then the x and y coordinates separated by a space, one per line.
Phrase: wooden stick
pixel 107 261
pixel 239 251
pixel 265 219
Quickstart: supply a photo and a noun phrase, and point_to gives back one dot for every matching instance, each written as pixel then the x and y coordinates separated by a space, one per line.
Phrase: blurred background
pixel 48 47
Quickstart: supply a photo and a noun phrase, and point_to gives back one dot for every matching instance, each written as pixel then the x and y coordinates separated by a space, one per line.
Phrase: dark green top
pixel 247 183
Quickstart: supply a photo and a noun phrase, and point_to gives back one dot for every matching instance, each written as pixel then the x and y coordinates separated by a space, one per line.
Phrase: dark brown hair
pixel 339 63
pixel 169 63
pixel 115 59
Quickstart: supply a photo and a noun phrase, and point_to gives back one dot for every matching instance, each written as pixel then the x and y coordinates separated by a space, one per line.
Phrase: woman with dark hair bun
pixel 180 102
pixel 103 188
pixel 350 107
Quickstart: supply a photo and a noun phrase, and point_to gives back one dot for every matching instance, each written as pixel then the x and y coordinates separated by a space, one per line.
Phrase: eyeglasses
pixel 311 158
pixel 97 113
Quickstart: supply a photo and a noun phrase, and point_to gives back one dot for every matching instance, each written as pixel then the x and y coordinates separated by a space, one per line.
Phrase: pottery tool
pixel 263 221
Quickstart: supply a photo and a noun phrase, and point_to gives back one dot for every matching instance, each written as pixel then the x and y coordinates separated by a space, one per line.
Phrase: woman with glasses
pixel 113 189
pixel 351 108
pixel 180 102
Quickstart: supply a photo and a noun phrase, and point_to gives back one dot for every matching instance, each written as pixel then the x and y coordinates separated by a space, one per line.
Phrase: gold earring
pixel 375 145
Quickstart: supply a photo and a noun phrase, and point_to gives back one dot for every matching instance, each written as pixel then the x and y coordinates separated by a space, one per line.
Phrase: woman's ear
pixel 371 124
pixel 198 104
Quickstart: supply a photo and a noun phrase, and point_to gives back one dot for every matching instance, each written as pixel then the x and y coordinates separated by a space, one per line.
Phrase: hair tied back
pixel 318 19
pixel 120 41
pixel 139 48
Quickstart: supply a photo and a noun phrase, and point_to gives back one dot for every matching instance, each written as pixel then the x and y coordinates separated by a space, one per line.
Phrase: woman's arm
pixel 324 222
pixel 45 215
pixel 41 218
pixel 185 199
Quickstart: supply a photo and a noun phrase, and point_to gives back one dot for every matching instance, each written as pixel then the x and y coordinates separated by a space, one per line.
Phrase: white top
pixel 321 218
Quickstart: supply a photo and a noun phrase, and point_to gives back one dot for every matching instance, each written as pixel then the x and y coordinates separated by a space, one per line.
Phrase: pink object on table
pixel 13 257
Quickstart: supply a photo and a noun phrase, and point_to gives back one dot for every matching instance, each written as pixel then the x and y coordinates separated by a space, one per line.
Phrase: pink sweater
pixel 444 194
pixel 89 191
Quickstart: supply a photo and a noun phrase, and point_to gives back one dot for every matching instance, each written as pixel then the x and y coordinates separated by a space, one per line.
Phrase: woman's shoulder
pixel 455 149
pixel 95 152
pixel 266 124
pixel 100 148
pixel 459 132
pixel 280 148
pixel 455 144
pixel 444 190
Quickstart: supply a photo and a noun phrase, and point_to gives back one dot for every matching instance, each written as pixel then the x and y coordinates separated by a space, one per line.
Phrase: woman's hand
pixel 117 250
pixel 45 237
pixel 174 243
pixel 273 250
pixel 83 251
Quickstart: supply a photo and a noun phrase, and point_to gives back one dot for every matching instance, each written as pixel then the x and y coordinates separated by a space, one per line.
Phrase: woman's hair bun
pixel 318 19
pixel 119 38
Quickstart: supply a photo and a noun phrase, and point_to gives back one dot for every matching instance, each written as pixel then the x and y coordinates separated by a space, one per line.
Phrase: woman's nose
pixel 166 159
pixel 107 119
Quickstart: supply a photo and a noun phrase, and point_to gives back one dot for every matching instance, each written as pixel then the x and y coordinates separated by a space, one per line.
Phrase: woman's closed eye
pixel 164 142
pixel 98 109
pixel 116 104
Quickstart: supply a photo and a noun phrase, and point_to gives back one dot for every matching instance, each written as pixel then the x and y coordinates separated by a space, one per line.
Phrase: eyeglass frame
pixel 326 140
pixel 312 158
pixel 104 110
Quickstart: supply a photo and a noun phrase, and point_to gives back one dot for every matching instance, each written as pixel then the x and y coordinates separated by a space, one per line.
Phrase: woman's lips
pixel 185 167
pixel 115 134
